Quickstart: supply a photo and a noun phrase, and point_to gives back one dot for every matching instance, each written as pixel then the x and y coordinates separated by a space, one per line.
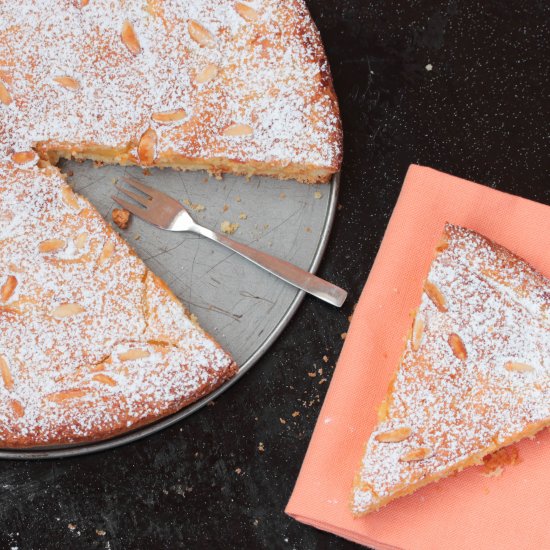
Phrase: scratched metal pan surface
pixel 239 304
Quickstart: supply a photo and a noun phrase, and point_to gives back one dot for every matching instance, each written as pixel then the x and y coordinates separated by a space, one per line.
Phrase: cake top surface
pixel 475 372
pixel 90 340
pixel 246 81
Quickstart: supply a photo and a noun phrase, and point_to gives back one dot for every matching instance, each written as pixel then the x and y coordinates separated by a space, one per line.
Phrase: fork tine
pixel 142 213
pixel 144 201
pixel 138 185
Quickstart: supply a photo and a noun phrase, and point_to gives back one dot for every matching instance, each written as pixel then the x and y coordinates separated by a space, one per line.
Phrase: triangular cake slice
pixel 474 376
pixel 221 85
pixel 92 344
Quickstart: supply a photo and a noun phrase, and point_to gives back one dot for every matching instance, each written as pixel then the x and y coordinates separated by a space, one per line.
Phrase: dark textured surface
pixel 481 113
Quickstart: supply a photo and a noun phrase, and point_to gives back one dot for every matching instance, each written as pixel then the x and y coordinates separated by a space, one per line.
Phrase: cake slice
pixel 221 85
pixel 92 344
pixel 474 375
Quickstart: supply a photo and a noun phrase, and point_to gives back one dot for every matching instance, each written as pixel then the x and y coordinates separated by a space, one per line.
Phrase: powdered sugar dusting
pixel 463 408
pixel 272 75
pixel 72 378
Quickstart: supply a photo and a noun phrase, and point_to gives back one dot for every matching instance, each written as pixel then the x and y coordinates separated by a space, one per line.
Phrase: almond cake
pixel 221 85
pixel 474 376
pixel 92 344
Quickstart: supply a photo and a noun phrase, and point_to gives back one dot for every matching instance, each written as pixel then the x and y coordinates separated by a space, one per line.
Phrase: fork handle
pixel 280 268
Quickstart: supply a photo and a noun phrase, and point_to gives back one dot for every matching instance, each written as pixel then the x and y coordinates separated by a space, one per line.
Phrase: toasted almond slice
pixel 17 408
pixel 435 295
pixel 129 38
pixel 238 130
pixel 6 373
pixel 5 96
pixel 23 157
pixel 200 34
pixel 208 73
pixel 147 148
pixel 104 379
pixel 247 12
pixel 106 252
pixel 64 395
pixel 514 366
pixel 133 354
pixel 67 82
pixel 417 454
pixel 51 245
pixel 169 116
pixel 8 288
pixel 417 333
pixel 81 240
pixel 458 347
pixel 69 197
pixel 394 436
pixel 67 310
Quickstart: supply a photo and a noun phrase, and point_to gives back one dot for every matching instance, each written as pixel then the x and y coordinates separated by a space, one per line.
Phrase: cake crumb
pixel 325 358
pixel 308 229
pixel 100 532
pixel 318 195
pixel 494 464
pixel 282 195
pixel 261 447
pixel 225 208
pixel 238 199
pixel 121 217
pixel 243 216
pixel 429 67
pixel 312 374
pixel 197 207
pixel 282 420
pixel 238 471
pixel 228 227
pixel 71 526
pixel 343 335
pixel 295 414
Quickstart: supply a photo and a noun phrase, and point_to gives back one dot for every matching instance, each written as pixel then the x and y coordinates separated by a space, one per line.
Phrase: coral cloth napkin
pixel 468 510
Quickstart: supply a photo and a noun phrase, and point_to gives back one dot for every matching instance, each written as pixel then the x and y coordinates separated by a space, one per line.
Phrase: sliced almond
pixel 23 157
pixel 17 408
pixel 235 130
pixel 6 373
pixel 208 73
pixel 65 395
pixel 104 379
pixel 8 288
pixel 147 148
pixel 169 116
pixel 133 354
pixel 458 347
pixel 514 366
pixel 81 240
pixel 247 12
pixel 67 82
pixel 417 333
pixel 394 436
pixel 200 34
pixel 417 454
pixel 69 197
pixel 129 38
pixel 51 245
pixel 435 295
pixel 5 96
pixel 67 310
pixel 106 252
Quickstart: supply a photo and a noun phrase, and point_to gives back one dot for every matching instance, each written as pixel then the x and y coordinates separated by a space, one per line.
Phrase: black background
pixel 481 113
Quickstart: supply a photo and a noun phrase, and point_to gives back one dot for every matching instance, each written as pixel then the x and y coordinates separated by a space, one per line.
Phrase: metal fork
pixel 167 213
